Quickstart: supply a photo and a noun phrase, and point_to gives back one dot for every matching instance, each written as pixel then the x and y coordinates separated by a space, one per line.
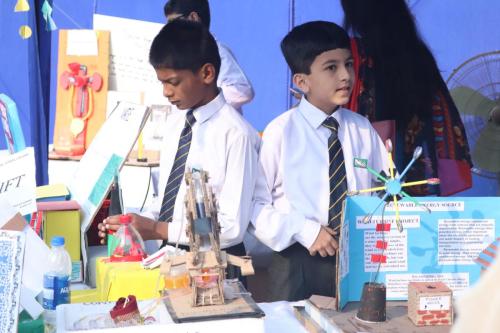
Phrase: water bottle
pixel 56 282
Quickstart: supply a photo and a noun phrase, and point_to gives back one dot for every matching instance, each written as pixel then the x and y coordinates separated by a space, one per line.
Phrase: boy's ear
pixel 207 73
pixel 300 80
pixel 193 16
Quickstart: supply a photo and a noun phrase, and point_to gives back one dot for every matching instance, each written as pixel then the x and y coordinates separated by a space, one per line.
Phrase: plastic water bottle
pixel 56 282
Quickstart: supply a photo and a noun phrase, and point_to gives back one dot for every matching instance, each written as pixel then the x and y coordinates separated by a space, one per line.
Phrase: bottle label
pixel 55 291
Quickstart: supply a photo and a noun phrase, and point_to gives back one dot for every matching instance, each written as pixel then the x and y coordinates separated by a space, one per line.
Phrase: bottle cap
pixel 57 241
pixel 125 219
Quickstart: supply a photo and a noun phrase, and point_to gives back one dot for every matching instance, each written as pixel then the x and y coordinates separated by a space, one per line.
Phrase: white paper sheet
pixel 17 180
pixel 408 221
pixel 434 206
pixel 396 252
pixel 29 303
pixel 81 42
pixel 7 212
pixel 35 261
pixel 397 284
pixel 129 68
pixel 461 240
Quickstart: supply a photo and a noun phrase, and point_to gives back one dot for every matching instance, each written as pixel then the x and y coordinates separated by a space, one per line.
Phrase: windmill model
pixel 373 298
pixel 206 262
pixel 393 185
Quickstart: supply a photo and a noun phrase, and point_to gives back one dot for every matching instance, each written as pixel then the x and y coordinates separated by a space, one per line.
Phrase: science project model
pixel 205 262
pixel 373 298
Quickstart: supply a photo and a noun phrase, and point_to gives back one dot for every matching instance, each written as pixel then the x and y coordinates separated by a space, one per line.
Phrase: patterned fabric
pixel 177 172
pixel 11 264
pixel 337 173
pixel 443 139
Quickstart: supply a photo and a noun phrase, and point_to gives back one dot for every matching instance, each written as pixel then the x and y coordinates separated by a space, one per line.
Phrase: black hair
pixel 184 45
pixel 185 7
pixel 306 41
pixel 405 69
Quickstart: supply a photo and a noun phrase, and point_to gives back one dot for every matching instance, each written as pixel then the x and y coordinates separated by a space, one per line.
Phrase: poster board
pixel 11 269
pixel 17 180
pixel 89 48
pixel 436 246
pixel 34 263
pixel 102 160
pixel 133 79
pixel 129 69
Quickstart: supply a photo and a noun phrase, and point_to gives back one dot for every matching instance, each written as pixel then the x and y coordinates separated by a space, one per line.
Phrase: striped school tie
pixel 178 169
pixel 337 174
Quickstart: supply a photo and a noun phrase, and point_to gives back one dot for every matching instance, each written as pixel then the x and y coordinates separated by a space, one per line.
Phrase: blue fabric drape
pixel 40 92
pixel 25 76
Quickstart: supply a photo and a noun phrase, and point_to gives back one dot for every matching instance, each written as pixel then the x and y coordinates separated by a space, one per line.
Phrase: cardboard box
pixel 62 218
pixel 430 303
pixel 116 279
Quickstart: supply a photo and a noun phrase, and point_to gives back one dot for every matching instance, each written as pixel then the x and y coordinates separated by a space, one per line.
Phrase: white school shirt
pixel 224 145
pixel 291 198
pixel 235 86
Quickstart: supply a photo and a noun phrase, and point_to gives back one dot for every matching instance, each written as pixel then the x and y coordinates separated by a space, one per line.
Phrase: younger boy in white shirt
pixel 306 164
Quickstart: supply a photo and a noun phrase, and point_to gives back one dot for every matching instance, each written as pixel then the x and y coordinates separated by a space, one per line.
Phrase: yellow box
pixel 62 218
pixel 120 279
pixel 84 296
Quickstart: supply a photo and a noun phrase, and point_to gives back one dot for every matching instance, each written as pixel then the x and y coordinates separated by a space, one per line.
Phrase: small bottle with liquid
pixel 177 278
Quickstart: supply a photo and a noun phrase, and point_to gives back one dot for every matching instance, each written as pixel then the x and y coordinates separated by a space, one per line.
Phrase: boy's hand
pixel 325 243
pixel 111 223
pixel 147 228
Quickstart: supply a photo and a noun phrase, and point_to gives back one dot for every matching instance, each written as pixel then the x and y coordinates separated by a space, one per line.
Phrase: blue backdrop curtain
pixel 253 30
pixel 25 76
pixel 40 96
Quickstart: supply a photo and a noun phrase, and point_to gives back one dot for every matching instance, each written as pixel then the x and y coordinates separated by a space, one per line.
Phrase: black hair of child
pixel 184 45
pixel 307 41
pixel 186 7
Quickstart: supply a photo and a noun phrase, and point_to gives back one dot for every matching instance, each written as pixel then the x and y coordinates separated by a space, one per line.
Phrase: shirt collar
pixel 314 116
pixel 205 112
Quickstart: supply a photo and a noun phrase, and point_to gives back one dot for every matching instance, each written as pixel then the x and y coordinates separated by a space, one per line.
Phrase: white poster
pixel 461 240
pixel 129 68
pixel 434 206
pixel 408 221
pixel 397 284
pixel 18 181
pixel 81 42
pixel 396 252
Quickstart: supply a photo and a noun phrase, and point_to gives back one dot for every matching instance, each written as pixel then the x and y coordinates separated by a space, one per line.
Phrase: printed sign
pixel 17 180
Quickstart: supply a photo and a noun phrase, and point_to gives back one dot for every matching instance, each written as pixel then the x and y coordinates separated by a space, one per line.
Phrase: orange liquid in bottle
pixel 176 282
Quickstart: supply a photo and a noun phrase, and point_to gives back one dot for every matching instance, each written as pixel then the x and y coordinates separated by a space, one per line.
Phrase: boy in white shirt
pixel 206 133
pixel 235 85
pixel 306 163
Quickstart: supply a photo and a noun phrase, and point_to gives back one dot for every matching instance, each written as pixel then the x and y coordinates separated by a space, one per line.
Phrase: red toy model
pixel 81 104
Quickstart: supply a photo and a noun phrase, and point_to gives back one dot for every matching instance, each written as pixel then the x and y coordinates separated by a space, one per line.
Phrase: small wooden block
pixel 324 302
pixel 206 259
pixel 430 303
pixel 245 264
